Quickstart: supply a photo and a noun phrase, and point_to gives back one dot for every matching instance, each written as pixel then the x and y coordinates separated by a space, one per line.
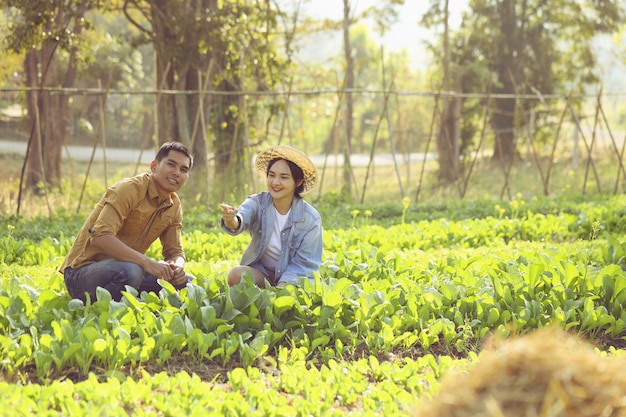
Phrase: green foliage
pixel 60 226
pixel 372 332
pixel 45 22
pixel 504 47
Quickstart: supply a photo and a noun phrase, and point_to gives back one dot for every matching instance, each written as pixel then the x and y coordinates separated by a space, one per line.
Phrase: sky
pixel 404 34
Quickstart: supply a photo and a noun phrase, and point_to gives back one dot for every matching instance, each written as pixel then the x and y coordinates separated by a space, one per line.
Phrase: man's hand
pixel 178 274
pixel 170 270
pixel 178 271
pixel 160 269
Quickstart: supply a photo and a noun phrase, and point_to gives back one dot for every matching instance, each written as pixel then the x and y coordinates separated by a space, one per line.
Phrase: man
pixel 109 251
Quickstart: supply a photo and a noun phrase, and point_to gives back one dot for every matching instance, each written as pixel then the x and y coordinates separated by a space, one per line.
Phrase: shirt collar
pixel 153 194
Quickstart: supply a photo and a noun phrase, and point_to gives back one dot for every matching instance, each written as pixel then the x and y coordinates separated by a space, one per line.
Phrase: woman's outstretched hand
pixel 229 214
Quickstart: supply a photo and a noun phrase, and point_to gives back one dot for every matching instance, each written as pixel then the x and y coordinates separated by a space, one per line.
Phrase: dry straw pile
pixel 548 373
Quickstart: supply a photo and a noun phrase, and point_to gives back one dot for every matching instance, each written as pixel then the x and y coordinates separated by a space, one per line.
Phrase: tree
pixel 533 47
pixel 11 62
pixel 44 29
pixel 348 87
pixel 448 134
pixel 244 53
pixel 113 63
pixel 383 13
pixel 213 47
pixel 174 30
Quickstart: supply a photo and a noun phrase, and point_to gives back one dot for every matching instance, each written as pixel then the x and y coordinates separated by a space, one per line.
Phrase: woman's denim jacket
pixel 301 239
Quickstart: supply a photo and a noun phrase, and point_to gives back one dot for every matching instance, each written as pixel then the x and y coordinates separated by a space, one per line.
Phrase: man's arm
pixel 115 248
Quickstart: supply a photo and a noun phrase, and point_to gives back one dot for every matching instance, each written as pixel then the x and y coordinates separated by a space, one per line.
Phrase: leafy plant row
pixel 425 235
pixel 608 212
pixel 365 387
pixel 376 293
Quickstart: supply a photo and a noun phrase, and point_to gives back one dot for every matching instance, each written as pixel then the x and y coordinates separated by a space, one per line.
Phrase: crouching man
pixel 109 250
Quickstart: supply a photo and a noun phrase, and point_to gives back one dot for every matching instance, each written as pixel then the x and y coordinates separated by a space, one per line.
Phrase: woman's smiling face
pixel 280 182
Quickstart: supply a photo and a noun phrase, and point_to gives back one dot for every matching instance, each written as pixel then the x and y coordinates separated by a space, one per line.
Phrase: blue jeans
pixel 113 276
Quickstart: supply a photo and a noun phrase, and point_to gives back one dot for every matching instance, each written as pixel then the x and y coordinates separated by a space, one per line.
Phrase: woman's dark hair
pixel 296 173
pixel 165 149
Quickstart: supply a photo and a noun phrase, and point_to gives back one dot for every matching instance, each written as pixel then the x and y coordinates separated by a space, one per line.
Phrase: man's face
pixel 171 172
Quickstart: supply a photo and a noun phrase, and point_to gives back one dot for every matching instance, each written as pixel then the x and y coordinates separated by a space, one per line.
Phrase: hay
pixel 548 373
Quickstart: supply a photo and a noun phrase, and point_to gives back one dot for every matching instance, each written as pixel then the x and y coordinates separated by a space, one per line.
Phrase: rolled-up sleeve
pixel 111 216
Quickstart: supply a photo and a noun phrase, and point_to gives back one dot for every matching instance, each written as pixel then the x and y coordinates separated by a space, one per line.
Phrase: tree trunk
pixel 503 118
pixel 196 118
pixel 166 125
pixel 48 111
pixel 349 85
pixel 503 121
pixel 34 168
pixel 446 149
pixel 185 45
pixel 229 150
pixel 176 113
pixel 52 118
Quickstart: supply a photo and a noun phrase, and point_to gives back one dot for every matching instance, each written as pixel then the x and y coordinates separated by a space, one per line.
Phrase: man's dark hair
pixel 296 173
pixel 165 149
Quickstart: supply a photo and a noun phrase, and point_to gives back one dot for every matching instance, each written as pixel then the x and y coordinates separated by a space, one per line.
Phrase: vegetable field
pixel 407 293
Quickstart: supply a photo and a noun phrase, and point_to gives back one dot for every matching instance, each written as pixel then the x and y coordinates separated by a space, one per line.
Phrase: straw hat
pixel 291 154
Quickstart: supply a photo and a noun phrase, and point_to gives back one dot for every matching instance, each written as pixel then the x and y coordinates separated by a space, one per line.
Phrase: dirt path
pixel 83 153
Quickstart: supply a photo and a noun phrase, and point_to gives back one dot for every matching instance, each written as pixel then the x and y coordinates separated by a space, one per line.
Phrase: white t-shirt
pixel 272 252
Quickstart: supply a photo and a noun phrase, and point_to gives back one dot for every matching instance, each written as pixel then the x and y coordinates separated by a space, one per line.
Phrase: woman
pixel 286 230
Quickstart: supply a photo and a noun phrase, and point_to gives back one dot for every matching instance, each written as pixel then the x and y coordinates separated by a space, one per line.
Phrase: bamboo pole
pixel 552 153
pixel 420 180
pixel 375 140
pixel 102 125
pixel 619 153
pixel 99 130
pixel 331 138
pixel 392 139
pixel 156 117
pixel 483 134
pixel 40 156
pixel 589 150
